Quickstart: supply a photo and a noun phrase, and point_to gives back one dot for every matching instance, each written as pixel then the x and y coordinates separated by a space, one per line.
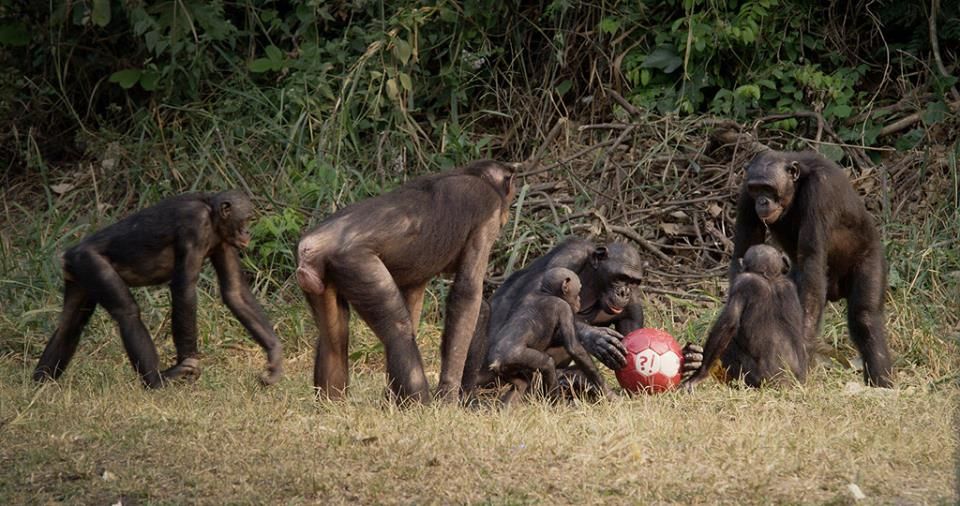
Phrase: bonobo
pixel 759 335
pixel 377 255
pixel 167 242
pixel 541 327
pixel 809 206
pixel 610 277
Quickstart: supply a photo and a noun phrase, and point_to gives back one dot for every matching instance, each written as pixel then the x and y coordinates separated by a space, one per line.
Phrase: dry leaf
pixel 61 188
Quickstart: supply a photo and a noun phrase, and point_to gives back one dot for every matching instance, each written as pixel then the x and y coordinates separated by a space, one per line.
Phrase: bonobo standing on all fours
pixel 378 255
pixel 167 242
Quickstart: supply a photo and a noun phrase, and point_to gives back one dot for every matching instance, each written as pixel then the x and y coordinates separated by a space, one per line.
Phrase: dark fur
pixel 378 255
pixel 610 278
pixel 759 334
pixel 816 216
pixel 542 326
pixel 167 242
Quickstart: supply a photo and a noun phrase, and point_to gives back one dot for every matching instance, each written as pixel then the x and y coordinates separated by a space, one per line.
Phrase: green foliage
pixel 401 85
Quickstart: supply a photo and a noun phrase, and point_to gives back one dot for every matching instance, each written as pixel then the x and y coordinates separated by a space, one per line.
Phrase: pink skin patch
pixel 309 281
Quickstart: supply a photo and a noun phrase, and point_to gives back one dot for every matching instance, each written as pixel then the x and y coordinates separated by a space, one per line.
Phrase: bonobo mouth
pixel 242 243
pixel 613 309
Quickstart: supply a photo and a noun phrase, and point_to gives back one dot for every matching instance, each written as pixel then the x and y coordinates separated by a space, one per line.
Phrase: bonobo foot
pixel 187 370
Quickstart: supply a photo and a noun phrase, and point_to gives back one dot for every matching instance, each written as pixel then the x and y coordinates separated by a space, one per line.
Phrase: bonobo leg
pixel 332 316
pixel 108 288
pixel 368 286
pixel 78 307
pixel 865 321
pixel 474 374
pixel 530 359
pixel 739 365
pixel 413 298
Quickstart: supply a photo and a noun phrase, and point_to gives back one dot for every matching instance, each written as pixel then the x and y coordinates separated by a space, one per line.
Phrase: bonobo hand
pixel 606 345
pixel 274 367
pixel 692 359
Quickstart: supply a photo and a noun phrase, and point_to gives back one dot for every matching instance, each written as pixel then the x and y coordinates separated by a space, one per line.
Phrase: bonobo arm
pixel 812 274
pixel 604 343
pixel 463 308
pixel 722 332
pixel 237 296
pixel 573 346
pixel 188 261
pixel 749 231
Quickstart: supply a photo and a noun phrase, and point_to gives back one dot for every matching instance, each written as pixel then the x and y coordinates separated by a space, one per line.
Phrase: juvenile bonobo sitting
pixel 378 255
pixel 759 335
pixel 809 206
pixel 541 328
pixel 610 278
pixel 167 242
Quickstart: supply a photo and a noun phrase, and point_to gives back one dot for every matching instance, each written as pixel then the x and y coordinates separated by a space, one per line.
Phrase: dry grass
pixel 97 437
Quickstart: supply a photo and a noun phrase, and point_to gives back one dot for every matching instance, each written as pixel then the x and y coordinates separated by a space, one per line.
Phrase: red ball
pixel 653 362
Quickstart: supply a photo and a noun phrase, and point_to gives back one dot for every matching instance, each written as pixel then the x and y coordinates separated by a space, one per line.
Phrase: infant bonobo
pixel 539 334
pixel 759 334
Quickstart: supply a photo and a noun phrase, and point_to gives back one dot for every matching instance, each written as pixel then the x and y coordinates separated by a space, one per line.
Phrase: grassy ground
pixel 98 437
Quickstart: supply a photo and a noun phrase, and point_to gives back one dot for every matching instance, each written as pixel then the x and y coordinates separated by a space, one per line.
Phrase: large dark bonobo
pixel 610 277
pixel 811 209
pixel 759 335
pixel 378 255
pixel 167 242
pixel 540 333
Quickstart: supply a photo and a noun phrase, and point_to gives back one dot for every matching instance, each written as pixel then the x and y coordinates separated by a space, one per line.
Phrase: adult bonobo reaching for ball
pixel 378 255
pixel 813 212
pixel 759 334
pixel 540 333
pixel 167 242
pixel 610 277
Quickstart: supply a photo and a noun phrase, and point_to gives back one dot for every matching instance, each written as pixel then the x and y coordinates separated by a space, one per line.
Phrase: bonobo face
pixel 619 269
pixel 233 214
pixel 765 260
pixel 771 183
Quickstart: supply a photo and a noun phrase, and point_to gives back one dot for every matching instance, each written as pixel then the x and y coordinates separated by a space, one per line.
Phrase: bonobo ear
pixel 793 168
pixel 225 210
pixel 599 255
pixel 786 264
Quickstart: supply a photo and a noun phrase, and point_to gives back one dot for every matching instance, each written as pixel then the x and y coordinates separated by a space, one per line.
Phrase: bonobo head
pixel 563 283
pixel 766 261
pixel 500 177
pixel 771 183
pixel 617 271
pixel 232 212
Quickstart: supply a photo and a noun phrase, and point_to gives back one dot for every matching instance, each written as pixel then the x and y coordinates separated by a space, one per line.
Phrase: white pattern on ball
pixel 669 364
pixel 647 362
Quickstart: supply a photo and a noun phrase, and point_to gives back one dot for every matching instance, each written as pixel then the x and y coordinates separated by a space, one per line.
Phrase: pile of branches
pixel 669 185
